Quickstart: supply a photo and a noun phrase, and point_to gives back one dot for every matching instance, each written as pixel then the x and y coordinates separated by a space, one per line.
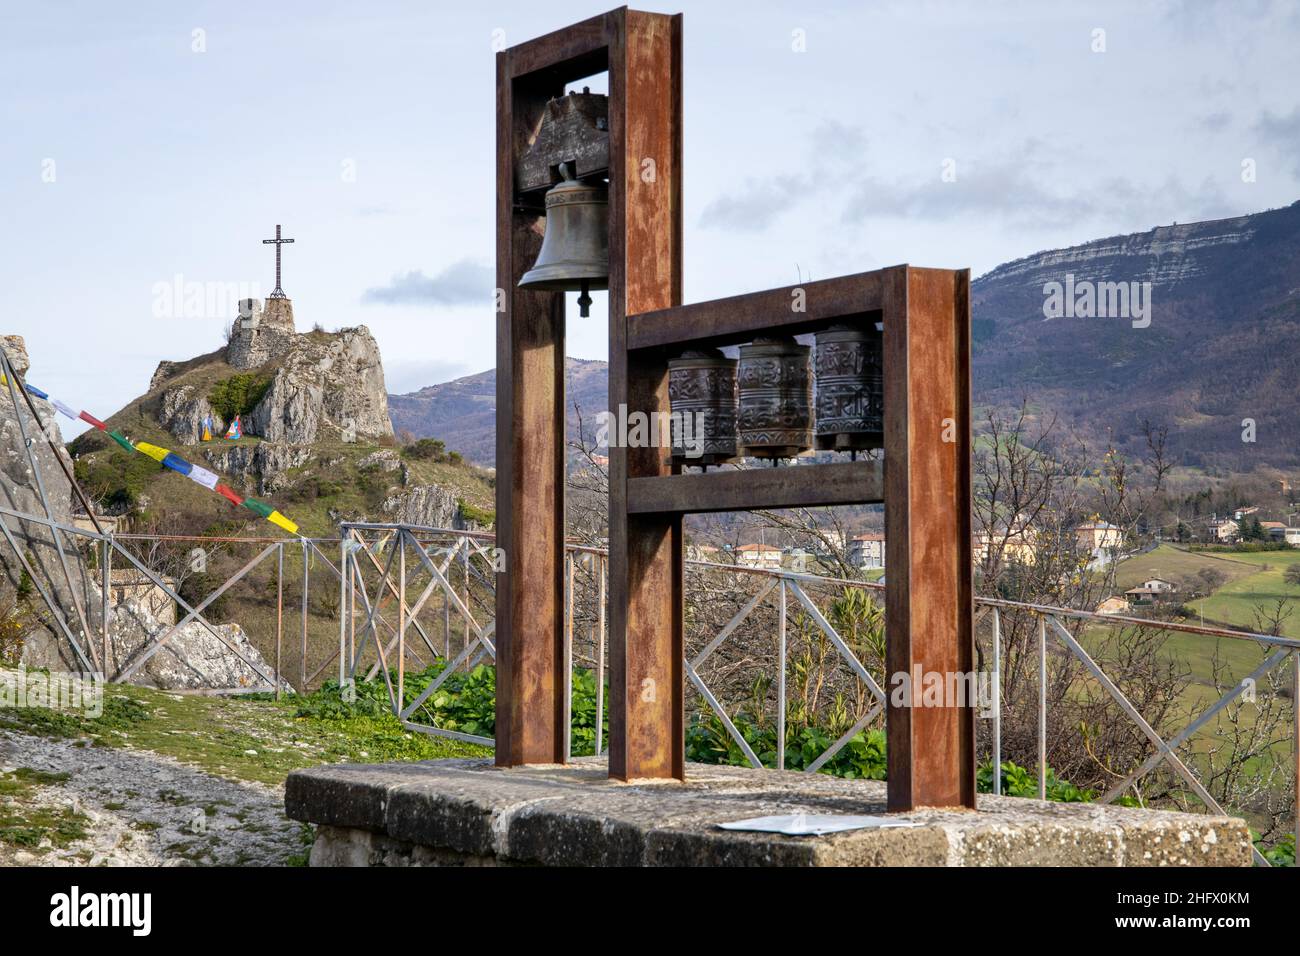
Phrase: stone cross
pixel 277 292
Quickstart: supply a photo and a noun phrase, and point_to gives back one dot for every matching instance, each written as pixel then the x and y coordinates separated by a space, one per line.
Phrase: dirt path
pixel 64 802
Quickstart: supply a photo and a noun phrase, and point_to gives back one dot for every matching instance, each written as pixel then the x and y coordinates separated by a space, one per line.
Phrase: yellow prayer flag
pixel 153 451
pixel 278 519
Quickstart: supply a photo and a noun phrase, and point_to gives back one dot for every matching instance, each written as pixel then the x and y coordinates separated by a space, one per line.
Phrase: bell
pixel 702 396
pixel 850 388
pixel 775 386
pixel 575 248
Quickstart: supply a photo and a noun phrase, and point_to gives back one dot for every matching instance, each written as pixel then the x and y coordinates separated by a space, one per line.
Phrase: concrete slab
pixel 468 812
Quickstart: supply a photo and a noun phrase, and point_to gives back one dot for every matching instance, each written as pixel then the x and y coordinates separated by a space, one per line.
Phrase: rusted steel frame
pixel 193 613
pixel 49 601
pixel 718 709
pixel 1277 657
pixel 753 489
pixel 11 383
pixel 736 620
pixel 646 570
pixel 844 650
pixel 530 414
pixel 929 600
pixel 1148 731
pixel 740 318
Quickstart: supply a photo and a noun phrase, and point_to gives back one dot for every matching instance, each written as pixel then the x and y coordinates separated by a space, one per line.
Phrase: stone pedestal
pixel 470 813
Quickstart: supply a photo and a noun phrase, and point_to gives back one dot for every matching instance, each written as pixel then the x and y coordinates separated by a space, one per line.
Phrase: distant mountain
pixel 1222 345
pixel 462 412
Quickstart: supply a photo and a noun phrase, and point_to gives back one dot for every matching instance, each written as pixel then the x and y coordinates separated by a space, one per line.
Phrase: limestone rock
pixel 325 386
pixel 384 460
pixel 193 656
pixel 182 409
pixel 264 463
pixel 429 505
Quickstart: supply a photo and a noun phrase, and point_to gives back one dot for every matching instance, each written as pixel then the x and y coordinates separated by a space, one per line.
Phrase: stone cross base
pixel 469 813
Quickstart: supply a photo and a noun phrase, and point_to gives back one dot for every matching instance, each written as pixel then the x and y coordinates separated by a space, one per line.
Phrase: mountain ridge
pixel 1221 348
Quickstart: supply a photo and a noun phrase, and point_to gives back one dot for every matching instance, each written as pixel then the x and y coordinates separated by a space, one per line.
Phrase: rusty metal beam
pixel 929 598
pixel 646 575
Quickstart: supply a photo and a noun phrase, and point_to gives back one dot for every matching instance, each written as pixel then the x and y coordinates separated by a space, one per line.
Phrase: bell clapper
pixel 584 300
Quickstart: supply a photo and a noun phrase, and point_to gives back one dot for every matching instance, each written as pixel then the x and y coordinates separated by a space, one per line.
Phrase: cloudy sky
pixel 151 143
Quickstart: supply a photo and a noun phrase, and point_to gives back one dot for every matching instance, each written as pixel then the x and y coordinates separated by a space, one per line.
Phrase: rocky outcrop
pixel 265 463
pixel 193 657
pixel 325 386
pixel 181 411
pixel 429 505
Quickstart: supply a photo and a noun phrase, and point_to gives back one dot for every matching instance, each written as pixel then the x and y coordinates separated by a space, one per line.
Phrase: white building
pixel 867 550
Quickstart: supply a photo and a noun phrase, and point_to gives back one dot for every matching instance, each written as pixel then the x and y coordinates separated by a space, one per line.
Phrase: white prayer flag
pixel 204 477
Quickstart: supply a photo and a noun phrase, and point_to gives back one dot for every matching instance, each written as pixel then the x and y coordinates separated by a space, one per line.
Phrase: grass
pixel 28 827
pixel 257 740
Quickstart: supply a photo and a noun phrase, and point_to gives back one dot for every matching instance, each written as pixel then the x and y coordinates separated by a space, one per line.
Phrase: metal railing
pixel 382 632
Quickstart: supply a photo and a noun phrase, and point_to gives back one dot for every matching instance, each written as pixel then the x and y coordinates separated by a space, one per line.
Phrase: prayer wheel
pixel 775 384
pixel 850 388
pixel 702 395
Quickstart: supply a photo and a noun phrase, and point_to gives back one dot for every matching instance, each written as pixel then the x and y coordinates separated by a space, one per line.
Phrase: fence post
pixel 305 591
pixel 1042 707
pixel 997 701
pixel 599 561
pixel 568 655
pixel 343 606
pixel 106 585
pixel 279 615
pixel 780 678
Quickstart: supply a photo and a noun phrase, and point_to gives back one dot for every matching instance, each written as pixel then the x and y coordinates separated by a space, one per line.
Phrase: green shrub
pixel 238 395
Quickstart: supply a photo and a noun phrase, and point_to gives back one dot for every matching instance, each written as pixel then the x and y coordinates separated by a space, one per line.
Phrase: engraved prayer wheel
pixel 850 388
pixel 775 384
pixel 702 395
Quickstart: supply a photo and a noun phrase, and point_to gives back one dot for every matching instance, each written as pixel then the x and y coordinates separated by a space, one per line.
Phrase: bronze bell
pixel 775 383
pixel 702 394
pixel 850 388
pixel 575 248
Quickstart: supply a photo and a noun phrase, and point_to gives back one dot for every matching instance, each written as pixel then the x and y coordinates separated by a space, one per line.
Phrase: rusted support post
pixel 530 433
pixel 646 582
pixel 929 600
